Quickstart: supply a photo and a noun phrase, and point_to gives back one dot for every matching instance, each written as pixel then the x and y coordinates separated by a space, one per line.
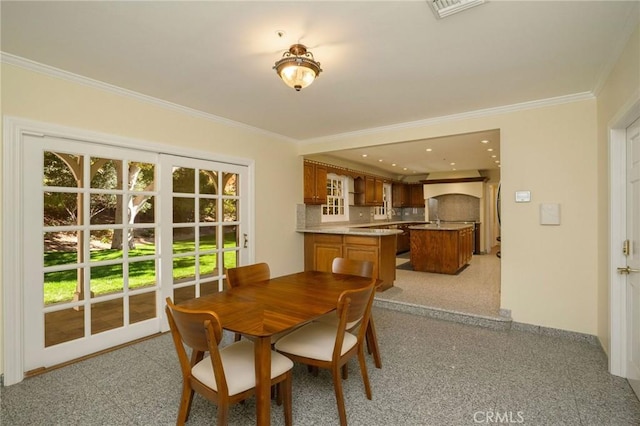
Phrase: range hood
pixel 454 175
pixel 468 182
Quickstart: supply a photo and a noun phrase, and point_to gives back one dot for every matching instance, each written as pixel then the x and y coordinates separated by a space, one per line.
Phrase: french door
pixel 110 232
pixel 205 206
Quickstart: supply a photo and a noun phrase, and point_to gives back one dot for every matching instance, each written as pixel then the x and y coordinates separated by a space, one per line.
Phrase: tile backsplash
pixel 454 208
pixel 310 215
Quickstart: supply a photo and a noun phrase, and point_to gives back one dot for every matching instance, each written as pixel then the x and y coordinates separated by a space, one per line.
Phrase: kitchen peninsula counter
pixel 441 248
pixel 351 230
pixel 324 243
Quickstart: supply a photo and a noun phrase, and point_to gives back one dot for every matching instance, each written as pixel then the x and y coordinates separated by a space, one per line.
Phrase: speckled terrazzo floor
pixel 475 290
pixel 434 373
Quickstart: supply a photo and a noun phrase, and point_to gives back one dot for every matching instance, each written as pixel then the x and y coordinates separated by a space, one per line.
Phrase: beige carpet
pixel 475 290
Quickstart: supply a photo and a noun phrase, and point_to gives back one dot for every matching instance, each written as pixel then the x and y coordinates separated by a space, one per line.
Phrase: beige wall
pixel 553 276
pixel 278 169
pixel 549 273
pixel 620 90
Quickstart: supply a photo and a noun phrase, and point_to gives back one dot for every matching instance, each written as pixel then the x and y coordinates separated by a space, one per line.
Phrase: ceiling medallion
pixel 297 68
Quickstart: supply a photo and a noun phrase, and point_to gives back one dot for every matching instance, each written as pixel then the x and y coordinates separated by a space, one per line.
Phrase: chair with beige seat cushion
pixel 227 375
pixel 328 346
pixel 362 268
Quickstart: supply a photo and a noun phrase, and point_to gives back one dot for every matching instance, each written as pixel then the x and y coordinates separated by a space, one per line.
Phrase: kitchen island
pixel 441 248
pixel 323 244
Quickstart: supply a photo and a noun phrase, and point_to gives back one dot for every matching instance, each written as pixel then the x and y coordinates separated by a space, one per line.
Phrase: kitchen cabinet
pixel 315 183
pixel 401 196
pixel 403 242
pixel 416 195
pixel 407 195
pixel 465 244
pixel 368 191
pixel 476 238
pixel 320 249
pixel 444 250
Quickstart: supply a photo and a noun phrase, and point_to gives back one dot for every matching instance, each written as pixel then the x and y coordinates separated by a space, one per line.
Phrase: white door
pixel 110 232
pixel 633 258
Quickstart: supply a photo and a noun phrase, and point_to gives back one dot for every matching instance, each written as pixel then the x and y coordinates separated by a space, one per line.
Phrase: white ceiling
pixel 385 62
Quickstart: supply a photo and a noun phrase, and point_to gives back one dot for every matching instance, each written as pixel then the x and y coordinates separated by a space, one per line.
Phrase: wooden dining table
pixel 262 309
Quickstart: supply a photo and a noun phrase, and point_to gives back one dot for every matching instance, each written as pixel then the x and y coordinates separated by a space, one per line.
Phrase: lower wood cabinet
pixel 443 251
pixel 321 249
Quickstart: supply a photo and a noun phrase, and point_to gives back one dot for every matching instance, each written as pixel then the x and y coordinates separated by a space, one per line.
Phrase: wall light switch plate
pixel 523 196
pixel 550 214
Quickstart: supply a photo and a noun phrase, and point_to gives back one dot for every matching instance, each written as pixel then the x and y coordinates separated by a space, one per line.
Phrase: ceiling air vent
pixel 444 8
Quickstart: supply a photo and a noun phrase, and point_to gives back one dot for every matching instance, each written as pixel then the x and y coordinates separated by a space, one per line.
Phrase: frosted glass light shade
pixel 297 76
pixel 297 68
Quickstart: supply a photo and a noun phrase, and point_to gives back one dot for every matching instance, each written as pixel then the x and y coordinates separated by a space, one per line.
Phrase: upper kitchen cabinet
pixel 315 183
pixel 416 194
pixel 407 195
pixel 401 196
pixel 368 191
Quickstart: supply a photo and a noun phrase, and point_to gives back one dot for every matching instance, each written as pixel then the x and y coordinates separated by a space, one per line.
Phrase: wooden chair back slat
pixel 361 268
pixel 248 274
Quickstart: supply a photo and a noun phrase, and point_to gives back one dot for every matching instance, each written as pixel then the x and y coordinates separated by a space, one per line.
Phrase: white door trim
pixel 12 225
pixel 617 234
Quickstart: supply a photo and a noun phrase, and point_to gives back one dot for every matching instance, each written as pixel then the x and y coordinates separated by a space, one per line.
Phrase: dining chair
pixel 323 345
pixel 226 375
pixel 248 274
pixel 362 268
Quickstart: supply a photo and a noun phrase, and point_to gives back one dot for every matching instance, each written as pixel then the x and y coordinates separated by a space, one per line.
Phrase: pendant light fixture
pixel 297 68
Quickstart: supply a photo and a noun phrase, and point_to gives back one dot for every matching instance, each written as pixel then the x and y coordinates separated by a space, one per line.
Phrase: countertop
pixel 441 227
pixel 374 228
pixel 351 230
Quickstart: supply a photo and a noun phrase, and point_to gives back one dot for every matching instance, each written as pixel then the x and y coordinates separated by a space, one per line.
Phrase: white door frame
pixel 12 224
pixel 617 234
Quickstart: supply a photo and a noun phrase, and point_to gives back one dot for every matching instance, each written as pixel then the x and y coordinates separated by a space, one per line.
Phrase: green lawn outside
pixel 60 286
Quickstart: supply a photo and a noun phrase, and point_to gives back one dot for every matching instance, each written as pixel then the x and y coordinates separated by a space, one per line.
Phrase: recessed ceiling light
pixel 497 161
pixel 364 155
pixel 393 164
pixel 489 149
pixel 493 156
pixel 428 149
pixel 380 160
pixel 484 141
pixel 452 164
pixel 404 168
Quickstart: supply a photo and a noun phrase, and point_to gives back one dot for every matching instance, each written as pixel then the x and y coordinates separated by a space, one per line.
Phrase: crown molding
pixel 75 78
pixel 50 71
pixel 457 117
